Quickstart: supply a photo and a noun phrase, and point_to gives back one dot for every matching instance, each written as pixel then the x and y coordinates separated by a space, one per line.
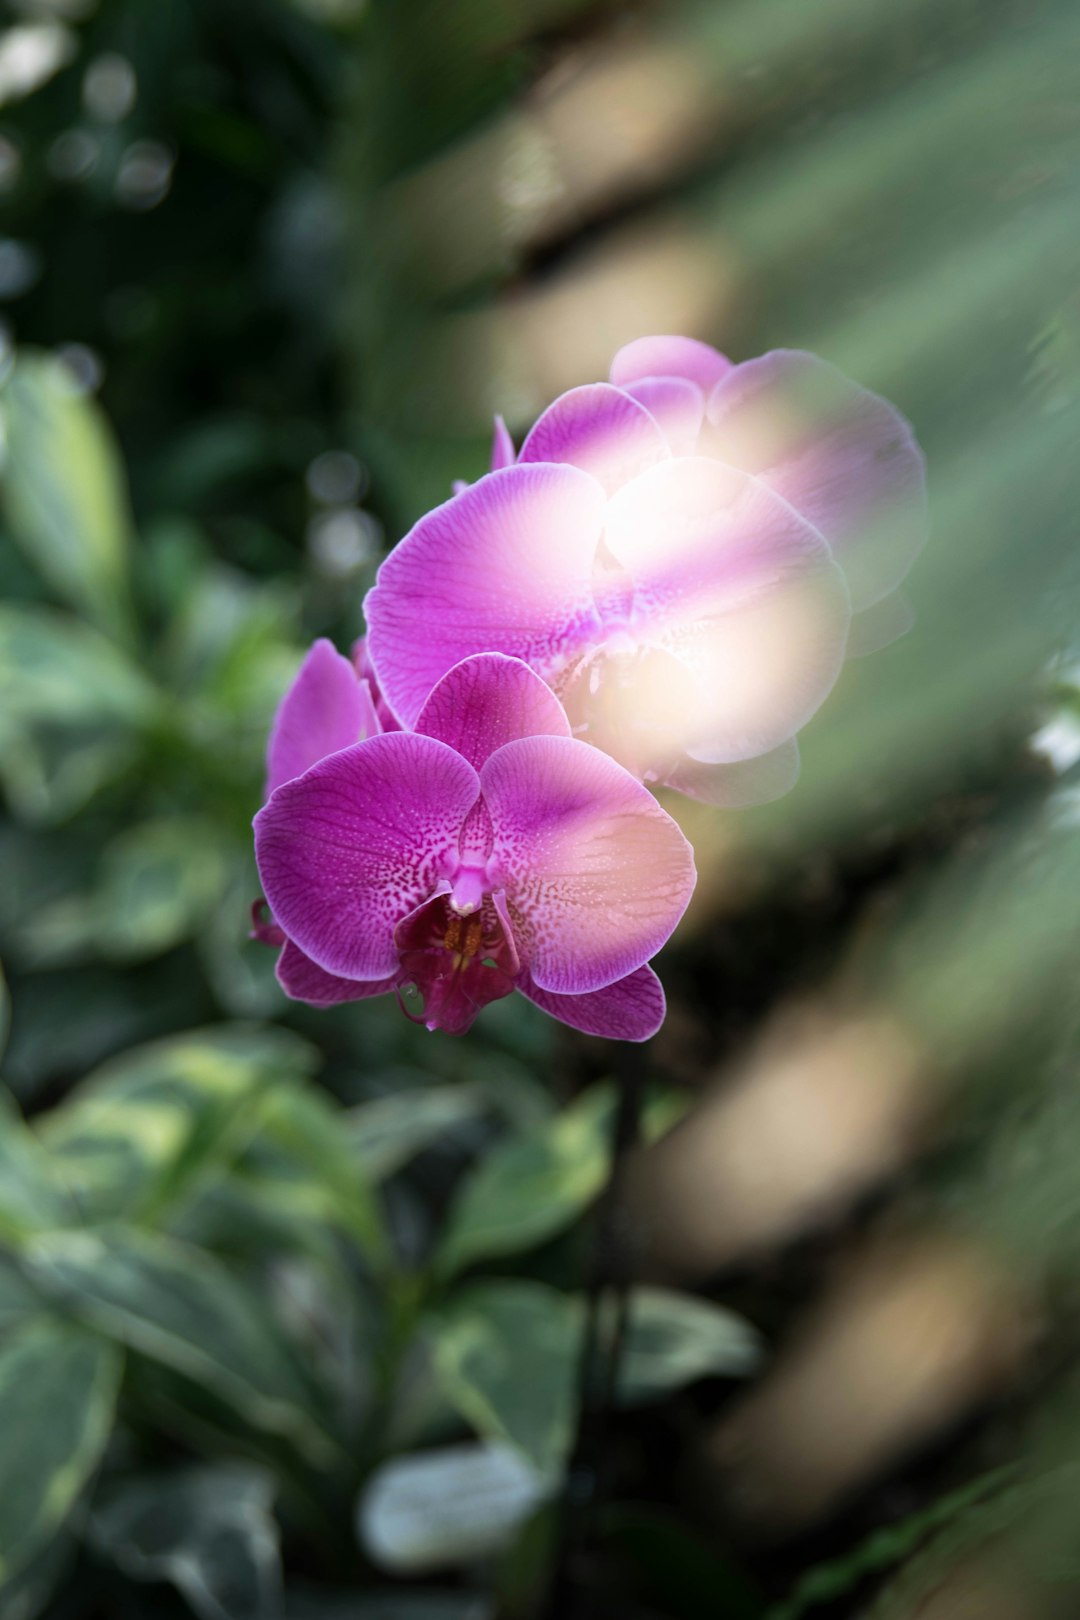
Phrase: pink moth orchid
pixel 678 553
pixel 484 852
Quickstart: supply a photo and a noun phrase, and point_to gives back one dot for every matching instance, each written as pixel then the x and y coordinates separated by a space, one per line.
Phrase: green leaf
pixel 506 1356
pixel 18 1301
pixel 53 668
pixel 180 1306
pixel 532 1185
pixel 64 492
pixel 158 881
pixel 30 1199
pixel 58 1389
pixel 210 1532
pixel 675 1338
pixel 386 1133
pixel 140 1134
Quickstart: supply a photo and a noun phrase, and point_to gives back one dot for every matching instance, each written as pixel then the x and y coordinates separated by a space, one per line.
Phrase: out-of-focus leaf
pixel 210 1532
pixel 673 1339
pixel 30 1199
pixel 135 1137
pixel 58 1389
pixel 28 1592
pixel 391 1604
pixel 446 1507
pixel 387 1133
pixel 180 1306
pixel 158 880
pixel 18 1301
pixel 306 1126
pixel 532 1185
pixel 506 1355
pixel 52 667
pixel 64 493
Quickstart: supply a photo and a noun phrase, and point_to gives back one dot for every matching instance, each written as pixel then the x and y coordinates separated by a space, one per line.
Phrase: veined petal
pixel 669 357
pixel 735 787
pixel 676 405
pixel 506 566
pixel 487 701
pixel 350 848
pixel 600 429
pixel 596 874
pixel 303 980
pixel 326 708
pixel 631 1009
pixel 743 591
pixel 842 456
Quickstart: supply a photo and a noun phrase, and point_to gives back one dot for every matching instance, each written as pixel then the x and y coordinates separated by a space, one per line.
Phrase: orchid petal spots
pixel 841 455
pixel 736 787
pixel 368 834
pixel 303 980
pixel 676 405
pixel 503 453
pixel 596 874
pixel 325 708
pixel 487 701
pixel 669 357
pixel 742 591
pixel 506 566
pixel 631 1009
pixel 601 430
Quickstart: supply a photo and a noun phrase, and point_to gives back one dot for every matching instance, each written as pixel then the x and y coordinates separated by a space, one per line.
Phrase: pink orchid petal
pixel 506 566
pixel 503 453
pixel 596 874
pixel 743 591
pixel 879 626
pixel 669 357
pixel 599 429
pixel 631 1009
pixel 736 787
pixel 487 701
pixel 677 405
pixel 303 980
pixel 349 849
pixel 843 457
pixel 326 708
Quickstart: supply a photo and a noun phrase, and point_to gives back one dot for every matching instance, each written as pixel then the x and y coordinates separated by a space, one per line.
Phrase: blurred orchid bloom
pixel 485 852
pixel 677 553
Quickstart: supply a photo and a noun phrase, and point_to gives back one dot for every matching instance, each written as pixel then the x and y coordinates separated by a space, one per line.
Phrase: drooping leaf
pixel 209 1531
pixel 531 1185
pixel 64 492
pixel 58 1388
pixel 386 1133
pixel 178 1305
pixel 30 1197
pixel 506 1354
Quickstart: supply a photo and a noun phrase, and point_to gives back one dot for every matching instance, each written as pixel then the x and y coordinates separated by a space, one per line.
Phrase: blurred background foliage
pixel 291 1303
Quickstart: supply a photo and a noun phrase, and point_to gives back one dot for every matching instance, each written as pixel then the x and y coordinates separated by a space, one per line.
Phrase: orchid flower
pixel 677 553
pixel 486 851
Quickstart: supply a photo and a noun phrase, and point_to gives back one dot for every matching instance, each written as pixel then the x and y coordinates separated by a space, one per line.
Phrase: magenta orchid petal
pixel 487 701
pixel 669 357
pixel 503 453
pixel 742 591
pixel 347 850
pixel 303 980
pixel 326 708
pixel 505 566
pixel 600 429
pixel 631 1009
pixel 676 405
pixel 596 874
pixel 842 456
pixel 736 787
